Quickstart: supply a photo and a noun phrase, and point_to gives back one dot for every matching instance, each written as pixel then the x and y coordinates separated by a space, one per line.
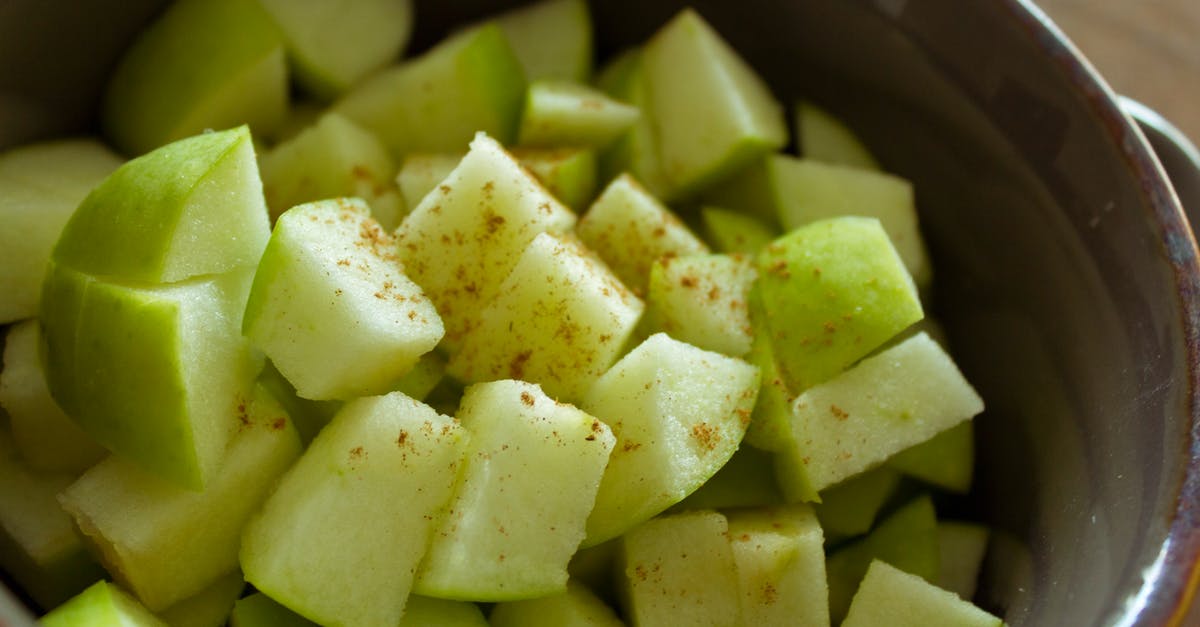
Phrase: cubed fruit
pixel 46 437
pixel 570 114
pixel 577 607
pixel 828 294
pixel 39 546
pixel 962 546
pixel 331 306
pixel 630 230
pixel 40 187
pixel 746 480
pixel 734 232
pixel 907 539
pixel 364 498
pixel 849 508
pixel 703 300
pixel 885 404
pixel 946 460
pixel 559 319
pixel 552 39
pixel 679 413
pixel 332 158
pixel 532 470
pixel 637 151
pixel 569 174
pixel 144 528
pixel 260 610
pixel 890 596
pixel 713 113
pixel 208 608
pixel 203 64
pixel 780 558
pixel 465 237
pixel 822 137
pixel 104 604
pixel 333 46
pixel 680 570
pixel 436 102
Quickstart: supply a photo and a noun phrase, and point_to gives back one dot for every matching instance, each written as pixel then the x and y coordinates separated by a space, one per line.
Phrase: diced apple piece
pixel 570 114
pixel 203 64
pixel 470 82
pixel 332 307
pixel 189 209
pixel 830 293
pixel 907 539
pixel 260 610
pixel 702 300
pixel 532 470
pixel 630 230
pixel 40 187
pixel 463 239
pixel 569 174
pixel 637 151
pixel 560 319
pixel 885 404
pixel 144 528
pixel 577 607
pixel 153 373
pixel 780 559
pixel 39 546
pixel 364 498
pixel 890 596
pixel 822 137
pixel 102 604
pixel 713 113
pixel 733 232
pixel 679 413
pixel 947 460
pixel 746 480
pixel 331 46
pixel 332 158
pixel 421 173
pixel 552 39
pixel 46 437
pixel 425 612
pixel 680 570
pixel 849 508
pixel 208 608
pixel 962 546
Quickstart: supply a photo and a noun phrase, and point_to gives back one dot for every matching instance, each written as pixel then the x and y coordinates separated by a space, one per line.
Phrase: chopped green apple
pixel 331 306
pixel 463 239
pixel 947 460
pixel 40 187
pixel 850 507
pixel 469 83
pixel 890 596
pixel 426 611
pixel 208 608
pixel 260 610
pixel 104 605
pixel 318 38
pixel 577 607
pixel 679 413
pixel 780 561
pixel 570 114
pixel 569 174
pixel 530 478
pixel 713 113
pixel 203 64
pixel 703 300
pixel 822 137
pixel 630 230
pixel 47 438
pixel 364 498
pixel 143 528
pixel 559 319
pixel 962 546
pixel 551 38
pixel 734 232
pixel 680 570
pixel 332 158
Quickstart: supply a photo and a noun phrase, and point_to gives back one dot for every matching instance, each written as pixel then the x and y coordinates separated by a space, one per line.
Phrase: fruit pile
pixel 470 338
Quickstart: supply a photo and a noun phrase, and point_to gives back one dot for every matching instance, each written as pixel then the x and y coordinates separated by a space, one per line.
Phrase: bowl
pixel 1066 273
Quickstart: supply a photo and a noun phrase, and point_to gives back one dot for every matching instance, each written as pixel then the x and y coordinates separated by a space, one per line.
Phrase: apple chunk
pixel 891 596
pixel 103 603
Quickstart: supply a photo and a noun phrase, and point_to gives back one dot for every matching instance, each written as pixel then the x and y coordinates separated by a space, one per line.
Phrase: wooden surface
pixel 1148 50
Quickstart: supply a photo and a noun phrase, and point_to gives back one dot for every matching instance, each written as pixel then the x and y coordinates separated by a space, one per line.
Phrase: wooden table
pixel 1148 50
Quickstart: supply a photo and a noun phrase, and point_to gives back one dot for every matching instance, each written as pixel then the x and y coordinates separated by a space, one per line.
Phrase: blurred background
pixel 1148 50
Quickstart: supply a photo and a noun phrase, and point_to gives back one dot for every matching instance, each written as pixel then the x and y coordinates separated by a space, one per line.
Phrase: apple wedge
pixel 891 596
pixel 101 604
pixel 552 39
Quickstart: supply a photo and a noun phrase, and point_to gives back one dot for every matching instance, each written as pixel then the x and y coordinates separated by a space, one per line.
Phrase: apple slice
pixel 208 608
pixel 733 232
pixel 144 528
pixel 679 414
pixel 364 498
pixel 569 114
pixel 947 460
pixel 702 300
pixel 577 607
pixel 532 470
pixel 697 81
pixel 331 306
pixel 316 34
pixel 890 596
pixel 202 64
pixel 46 437
pixel 40 187
pixel 552 39
pixel 780 561
pixel 822 137
pixel 101 604
pixel 469 83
